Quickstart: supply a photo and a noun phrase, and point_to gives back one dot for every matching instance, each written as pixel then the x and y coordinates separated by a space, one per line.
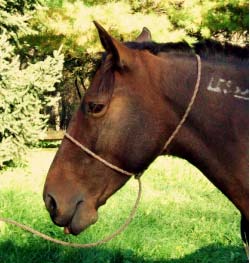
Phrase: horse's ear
pixel 145 36
pixel 121 55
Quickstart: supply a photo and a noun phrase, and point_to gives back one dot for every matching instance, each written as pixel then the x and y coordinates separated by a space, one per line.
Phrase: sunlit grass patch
pixel 2 227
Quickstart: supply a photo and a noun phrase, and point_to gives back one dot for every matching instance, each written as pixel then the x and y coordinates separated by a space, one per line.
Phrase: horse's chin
pixel 82 219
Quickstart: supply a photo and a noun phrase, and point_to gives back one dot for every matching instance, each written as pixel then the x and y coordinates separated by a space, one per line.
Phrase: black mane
pixel 204 48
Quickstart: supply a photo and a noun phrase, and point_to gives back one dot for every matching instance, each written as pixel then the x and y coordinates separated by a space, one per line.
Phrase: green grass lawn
pixel 182 218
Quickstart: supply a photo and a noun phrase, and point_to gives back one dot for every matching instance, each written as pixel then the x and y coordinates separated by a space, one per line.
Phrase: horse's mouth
pixel 75 230
pixel 68 230
pixel 80 221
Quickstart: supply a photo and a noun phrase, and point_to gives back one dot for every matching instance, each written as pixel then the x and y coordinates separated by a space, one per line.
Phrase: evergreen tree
pixel 23 91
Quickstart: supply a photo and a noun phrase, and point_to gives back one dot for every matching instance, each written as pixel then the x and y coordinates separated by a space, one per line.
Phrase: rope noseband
pixel 119 170
pixel 95 156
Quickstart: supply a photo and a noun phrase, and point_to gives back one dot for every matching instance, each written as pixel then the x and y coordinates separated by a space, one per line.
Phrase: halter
pixel 119 170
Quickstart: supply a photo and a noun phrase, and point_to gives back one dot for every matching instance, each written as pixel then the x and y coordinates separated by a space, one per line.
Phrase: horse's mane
pixel 204 48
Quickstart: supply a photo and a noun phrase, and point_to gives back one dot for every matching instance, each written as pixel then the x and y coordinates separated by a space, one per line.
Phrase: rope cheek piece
pixel 119 170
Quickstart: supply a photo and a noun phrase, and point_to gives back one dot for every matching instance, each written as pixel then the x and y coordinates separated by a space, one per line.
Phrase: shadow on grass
pixel 44 253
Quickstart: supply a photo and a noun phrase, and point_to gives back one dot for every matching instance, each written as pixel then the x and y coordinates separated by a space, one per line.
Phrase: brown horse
pixel 137 98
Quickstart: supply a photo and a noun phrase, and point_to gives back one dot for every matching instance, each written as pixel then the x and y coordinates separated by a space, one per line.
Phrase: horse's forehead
pixel 97 81
pixel 107 78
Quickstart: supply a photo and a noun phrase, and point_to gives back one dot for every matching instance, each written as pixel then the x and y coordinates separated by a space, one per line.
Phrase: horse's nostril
pixel 51 204
pixel 61 211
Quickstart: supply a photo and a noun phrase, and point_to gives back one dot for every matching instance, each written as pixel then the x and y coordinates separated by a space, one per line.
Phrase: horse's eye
pixel 94 108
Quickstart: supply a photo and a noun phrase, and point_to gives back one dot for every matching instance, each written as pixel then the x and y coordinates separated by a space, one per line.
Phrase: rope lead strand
pixel 77 245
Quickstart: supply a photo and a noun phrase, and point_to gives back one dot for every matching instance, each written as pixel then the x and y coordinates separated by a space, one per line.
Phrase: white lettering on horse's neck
pixel 226 87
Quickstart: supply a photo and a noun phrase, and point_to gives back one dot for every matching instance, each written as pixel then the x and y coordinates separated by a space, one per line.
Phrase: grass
pixel 182 218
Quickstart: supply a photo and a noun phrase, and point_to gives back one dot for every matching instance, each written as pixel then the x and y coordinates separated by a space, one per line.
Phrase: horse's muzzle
pixel 74 216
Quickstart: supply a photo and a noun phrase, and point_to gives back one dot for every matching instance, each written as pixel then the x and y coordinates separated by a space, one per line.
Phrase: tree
pixel 203 19
pixel 24 91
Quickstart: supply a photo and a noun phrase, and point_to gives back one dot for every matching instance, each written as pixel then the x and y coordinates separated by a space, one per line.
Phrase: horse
pixel 137 97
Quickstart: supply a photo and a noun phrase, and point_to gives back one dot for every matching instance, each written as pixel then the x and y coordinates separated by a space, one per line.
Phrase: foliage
pixel 48 144
pixel 195 18
pixel 15 16
pixel 229 18
pixel 205 19
pixel 23 94
pixel 25 88
pixel 73 26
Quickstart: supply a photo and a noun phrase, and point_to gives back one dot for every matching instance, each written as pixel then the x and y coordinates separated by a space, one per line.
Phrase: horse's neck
pixel 213 136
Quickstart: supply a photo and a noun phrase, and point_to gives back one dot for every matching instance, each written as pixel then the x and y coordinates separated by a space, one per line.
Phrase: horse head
pixel 120 119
